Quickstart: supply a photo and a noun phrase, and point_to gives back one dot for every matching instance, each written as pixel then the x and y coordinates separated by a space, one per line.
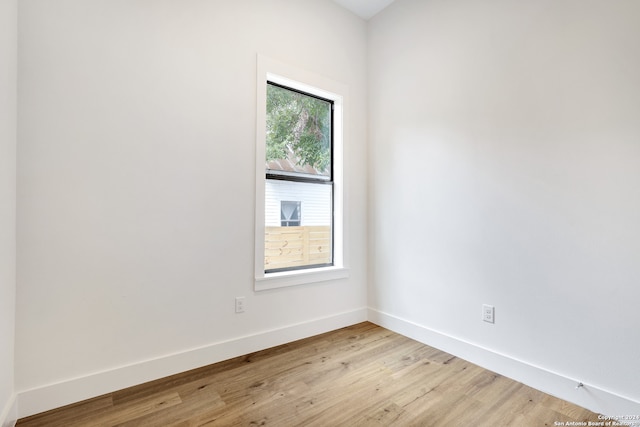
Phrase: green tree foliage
pixel 300 124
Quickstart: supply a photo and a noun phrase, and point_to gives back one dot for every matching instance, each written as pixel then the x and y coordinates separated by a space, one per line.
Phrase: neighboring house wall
pixel 137 187
pixel 505 159
pixel 8 117
pixel 315 202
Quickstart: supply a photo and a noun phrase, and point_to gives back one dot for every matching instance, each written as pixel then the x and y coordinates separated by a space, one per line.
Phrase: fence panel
pixel 287 247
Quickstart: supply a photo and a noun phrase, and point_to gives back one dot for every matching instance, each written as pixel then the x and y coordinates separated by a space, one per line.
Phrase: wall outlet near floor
pixel 488 313
pixel 239 304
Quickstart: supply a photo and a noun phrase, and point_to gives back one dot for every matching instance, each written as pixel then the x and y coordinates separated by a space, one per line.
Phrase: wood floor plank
pixel 71 413
pixel 363 375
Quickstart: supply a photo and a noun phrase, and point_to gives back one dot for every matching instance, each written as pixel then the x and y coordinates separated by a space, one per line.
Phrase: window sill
pixel 300 277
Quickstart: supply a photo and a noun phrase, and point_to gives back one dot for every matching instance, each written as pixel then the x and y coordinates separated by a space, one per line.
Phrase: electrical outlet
pixel 239 304
pixel 488 313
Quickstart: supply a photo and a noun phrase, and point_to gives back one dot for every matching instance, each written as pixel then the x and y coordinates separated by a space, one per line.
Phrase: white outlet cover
pixel 488 313
pixel 239 304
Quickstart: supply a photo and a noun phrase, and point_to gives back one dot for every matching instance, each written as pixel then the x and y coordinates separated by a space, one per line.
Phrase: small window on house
pixel 299 132
pixel 290 215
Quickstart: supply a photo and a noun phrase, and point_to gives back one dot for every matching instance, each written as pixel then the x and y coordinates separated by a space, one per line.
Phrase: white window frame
pixel 295 78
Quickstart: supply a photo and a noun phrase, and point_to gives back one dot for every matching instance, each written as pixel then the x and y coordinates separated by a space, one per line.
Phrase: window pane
pixel 290 214
pixel 297 241
pixel 298 134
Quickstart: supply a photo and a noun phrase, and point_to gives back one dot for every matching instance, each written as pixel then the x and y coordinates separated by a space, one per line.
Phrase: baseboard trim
pixel 63 393
pixel 591 397
pixel 9 414
pixel 40 399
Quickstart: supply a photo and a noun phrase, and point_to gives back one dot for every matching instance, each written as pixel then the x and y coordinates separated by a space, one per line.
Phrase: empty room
pixel 319 212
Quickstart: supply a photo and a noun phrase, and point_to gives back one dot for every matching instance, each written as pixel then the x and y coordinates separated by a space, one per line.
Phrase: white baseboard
pixel 53 396
pixel 589 397
pixel 9 414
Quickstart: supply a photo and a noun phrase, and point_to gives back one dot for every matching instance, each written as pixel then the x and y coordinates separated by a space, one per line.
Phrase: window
pixel 299 132
pixel 299 224
pixel 289 214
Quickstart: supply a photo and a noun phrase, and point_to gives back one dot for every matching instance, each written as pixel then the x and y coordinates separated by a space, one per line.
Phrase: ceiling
pixel 364 8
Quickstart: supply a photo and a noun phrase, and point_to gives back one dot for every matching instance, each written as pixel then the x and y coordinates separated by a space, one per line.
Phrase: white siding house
pixel 315 202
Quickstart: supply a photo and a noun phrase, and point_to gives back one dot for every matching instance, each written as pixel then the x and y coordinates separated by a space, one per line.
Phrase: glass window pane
pixel 298 134
pixel 290 213
pixel 305 241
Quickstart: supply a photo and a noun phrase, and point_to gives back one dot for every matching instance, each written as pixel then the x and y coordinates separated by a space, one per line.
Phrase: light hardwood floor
pixel 362 375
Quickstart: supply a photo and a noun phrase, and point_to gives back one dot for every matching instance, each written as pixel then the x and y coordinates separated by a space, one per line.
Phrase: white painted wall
pixel 136 183
pixel 504 158
pixel 505 165
pixel 8 121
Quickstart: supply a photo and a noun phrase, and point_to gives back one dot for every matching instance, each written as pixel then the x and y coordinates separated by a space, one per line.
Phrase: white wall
pixel 137 130
pixel 504 161
pixel 8 110
pixel 505 165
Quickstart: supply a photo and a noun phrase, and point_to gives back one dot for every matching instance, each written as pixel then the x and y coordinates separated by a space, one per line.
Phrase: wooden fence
pixel 287 247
